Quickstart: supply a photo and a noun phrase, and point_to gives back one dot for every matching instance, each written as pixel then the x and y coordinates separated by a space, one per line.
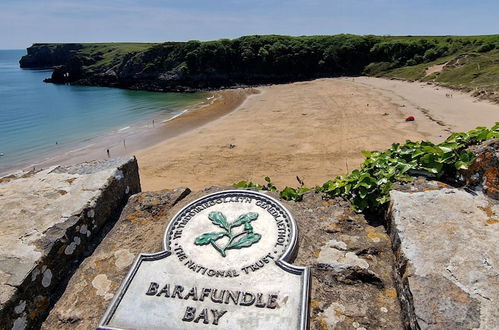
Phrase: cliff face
pixel 193 65
pixel 170 67
pixel 48 55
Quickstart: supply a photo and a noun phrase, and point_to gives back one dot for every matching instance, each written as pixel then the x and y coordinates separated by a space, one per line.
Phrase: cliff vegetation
pixel 469 63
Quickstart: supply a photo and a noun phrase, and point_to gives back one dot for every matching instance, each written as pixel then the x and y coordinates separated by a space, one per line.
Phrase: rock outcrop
pixel 445 242
pixel 51 220
pixel 48 55
pixel 351 262
pixel 483 174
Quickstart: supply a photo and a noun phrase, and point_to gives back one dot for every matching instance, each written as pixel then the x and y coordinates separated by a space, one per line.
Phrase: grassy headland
pixel 470 62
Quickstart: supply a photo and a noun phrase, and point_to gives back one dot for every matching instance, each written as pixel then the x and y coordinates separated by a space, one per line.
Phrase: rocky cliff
pixel 248 60
pixel 42 56
pixel 155 67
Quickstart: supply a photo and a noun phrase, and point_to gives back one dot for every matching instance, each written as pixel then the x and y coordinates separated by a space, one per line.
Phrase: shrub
pixel 486 47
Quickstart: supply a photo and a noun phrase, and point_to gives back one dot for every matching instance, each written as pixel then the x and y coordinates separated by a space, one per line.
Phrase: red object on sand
pixel 410 118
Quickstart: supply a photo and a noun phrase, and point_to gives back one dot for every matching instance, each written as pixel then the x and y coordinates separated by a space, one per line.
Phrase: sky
pixel 24 22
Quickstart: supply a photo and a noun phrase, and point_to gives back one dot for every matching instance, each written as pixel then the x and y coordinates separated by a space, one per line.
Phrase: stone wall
pixel 351 262
pixel 445 244
pixel 51 220
pixel 431 263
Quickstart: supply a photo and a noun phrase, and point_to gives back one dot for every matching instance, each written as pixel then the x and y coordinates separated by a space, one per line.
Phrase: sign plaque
pixel 224 267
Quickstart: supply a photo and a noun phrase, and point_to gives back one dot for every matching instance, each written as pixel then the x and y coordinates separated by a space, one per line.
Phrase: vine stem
pixel 232 239
pixel 221 251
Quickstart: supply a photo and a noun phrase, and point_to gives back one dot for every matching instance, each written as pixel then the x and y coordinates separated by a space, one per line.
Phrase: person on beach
pixel 108 154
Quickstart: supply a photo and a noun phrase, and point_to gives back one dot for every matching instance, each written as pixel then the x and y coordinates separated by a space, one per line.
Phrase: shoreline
pixel 314 130
pixel 127 140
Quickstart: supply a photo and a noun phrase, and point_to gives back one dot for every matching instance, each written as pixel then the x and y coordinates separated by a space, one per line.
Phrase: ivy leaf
pixel 245 218
pixel 245 241
pixel 445 148
pixel 219 219
pixel 462 165
pixel 241 184
pixel 366 154
pixel 289 194
pixel 369 186
pixel 207 238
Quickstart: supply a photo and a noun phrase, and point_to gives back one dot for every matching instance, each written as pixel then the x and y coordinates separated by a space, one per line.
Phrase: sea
pixel 40 120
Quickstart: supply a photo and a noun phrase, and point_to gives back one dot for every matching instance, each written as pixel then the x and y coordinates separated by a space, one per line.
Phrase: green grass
pixel 112 52
pixel 414 72
pixel 468 71
pixel 476 70
pixel 472 62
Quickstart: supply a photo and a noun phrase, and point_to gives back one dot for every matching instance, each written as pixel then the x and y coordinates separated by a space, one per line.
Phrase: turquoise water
pixel 39 119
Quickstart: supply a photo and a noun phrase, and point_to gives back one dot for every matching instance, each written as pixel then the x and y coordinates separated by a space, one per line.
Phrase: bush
pixel 430 55
pixel 486 47
pixel 368 187
pixel 376 68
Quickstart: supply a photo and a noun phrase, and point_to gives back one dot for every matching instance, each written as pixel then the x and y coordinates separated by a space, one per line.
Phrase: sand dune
pixel 314 130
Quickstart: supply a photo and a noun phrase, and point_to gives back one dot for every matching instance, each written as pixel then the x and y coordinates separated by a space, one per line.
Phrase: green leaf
pixel 366 154
pixel 219 219
pixel 462 165
pixel 246 184
pixel 245 241
pixel 445 148
pixel 347 187
pixel 301 191
pixel 289 193
pixel 267 179
pixel 383 199
pixel 207 238
pixel 466 157
pixel 244 218
pixel 362 192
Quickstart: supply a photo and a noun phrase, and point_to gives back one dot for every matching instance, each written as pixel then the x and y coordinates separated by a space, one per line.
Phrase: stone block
pixel 140 229
pixel 51 219
pixel 445 243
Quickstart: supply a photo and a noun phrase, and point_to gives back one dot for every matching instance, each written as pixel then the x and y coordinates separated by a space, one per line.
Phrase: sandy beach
pixel 314 130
